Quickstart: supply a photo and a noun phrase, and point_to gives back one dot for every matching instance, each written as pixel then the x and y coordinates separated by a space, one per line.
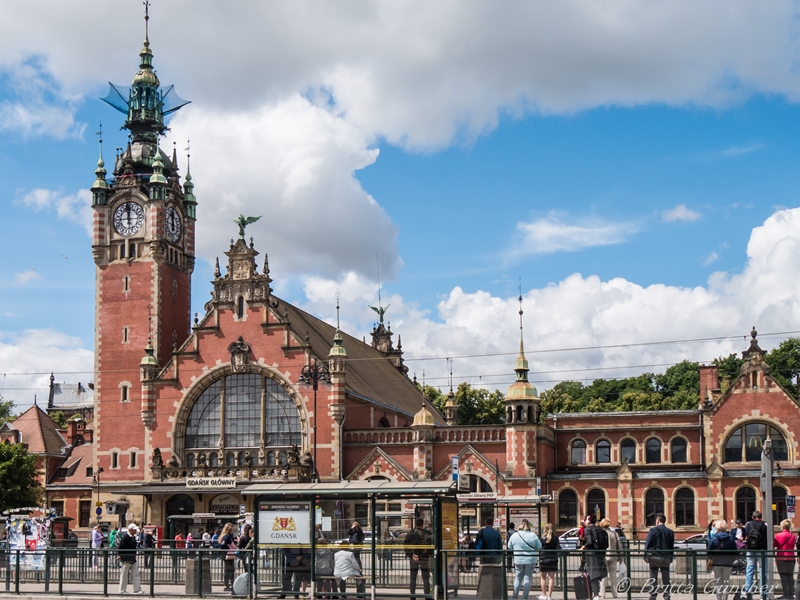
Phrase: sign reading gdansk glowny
pixel 219 483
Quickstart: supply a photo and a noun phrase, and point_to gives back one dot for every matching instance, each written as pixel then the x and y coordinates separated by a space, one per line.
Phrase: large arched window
pixel 180 504
pixel 677 450
pixel 653 506
pixel 745 503
pixel 602 452
pixel 596 503
pixel 653 451
pixel 744 444
pixel 567 508
pixel 578 452
pixel 627 451
pixel 246 403
pixel 684 507
pixel 779 501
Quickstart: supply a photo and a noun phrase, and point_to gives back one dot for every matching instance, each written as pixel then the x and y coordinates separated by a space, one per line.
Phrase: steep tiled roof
pixel 79 458
pixel 39 432
pixel 370 375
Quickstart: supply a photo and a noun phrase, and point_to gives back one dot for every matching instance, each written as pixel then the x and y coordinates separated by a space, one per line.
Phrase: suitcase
pixel 583 591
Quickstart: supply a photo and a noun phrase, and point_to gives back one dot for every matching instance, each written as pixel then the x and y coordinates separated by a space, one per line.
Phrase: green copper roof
pixel 338 348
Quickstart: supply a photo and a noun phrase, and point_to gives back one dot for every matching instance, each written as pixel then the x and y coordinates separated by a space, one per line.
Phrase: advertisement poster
pixel 30 537
pixel 284 523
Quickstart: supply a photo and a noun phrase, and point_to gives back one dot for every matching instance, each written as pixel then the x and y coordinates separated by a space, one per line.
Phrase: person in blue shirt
pixel 489 543
pixel 525 545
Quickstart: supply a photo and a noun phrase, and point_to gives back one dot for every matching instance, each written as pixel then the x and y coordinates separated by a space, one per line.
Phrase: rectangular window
pixel 126 283
pixel 133 460
pixel 84 511
pixel 89 471
pixel 114 460
pixel 124 393
pixel 124 335
pixel 58 507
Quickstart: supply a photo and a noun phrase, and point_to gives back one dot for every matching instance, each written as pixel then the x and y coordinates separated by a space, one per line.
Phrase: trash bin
pixel 683 563
pixel 193 577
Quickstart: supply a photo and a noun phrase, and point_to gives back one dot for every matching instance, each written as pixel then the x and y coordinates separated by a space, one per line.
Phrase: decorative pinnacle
pixel 146 21
pixel 337 309
pixel 216 269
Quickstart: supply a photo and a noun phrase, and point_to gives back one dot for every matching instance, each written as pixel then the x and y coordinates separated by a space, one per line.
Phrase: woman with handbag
pixel 722 552
pixel 228 545
pixel 548 562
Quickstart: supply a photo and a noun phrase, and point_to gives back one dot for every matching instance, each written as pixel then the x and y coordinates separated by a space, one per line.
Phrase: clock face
pixel 173 226
pixel 128 218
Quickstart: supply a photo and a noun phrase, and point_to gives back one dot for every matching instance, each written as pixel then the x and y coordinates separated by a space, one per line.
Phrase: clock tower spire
pixel 143 248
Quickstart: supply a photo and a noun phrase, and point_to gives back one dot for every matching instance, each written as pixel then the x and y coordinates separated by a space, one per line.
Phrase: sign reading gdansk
pixel 211 482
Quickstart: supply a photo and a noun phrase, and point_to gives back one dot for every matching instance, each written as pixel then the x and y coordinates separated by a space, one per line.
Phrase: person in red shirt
pixel 784 558
pixel 180 543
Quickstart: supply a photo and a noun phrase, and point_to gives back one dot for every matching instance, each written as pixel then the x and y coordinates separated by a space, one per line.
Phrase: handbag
pixel 709 565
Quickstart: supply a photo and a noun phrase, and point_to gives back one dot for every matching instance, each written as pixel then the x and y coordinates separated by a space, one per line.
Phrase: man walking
pixel 127 557
pixel 489 543
pixel 658 550
pixel 525 546
pixel 419 557
pixel 755 540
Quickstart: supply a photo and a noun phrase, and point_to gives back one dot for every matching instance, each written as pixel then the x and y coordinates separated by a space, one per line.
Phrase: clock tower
pixel 143 246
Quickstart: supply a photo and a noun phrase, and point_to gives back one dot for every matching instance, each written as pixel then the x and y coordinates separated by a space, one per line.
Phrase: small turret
pixel 189 199
pixel 100 186
pixel 522 399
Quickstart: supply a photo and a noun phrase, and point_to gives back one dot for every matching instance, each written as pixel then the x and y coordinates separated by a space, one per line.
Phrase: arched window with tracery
pixel 250 407
pixel 745 444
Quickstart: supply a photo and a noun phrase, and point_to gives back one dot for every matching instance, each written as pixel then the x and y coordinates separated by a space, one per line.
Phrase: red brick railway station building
pixel 223 396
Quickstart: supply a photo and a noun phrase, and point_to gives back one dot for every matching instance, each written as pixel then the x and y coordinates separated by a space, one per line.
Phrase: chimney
pixel 72 432
pixel 709 384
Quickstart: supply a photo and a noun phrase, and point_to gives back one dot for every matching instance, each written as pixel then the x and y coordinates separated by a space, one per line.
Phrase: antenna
pixel 337 309
pixel 146 19
pixel 378 266
pixel 188 155
pixel 450 365
pixel 100 139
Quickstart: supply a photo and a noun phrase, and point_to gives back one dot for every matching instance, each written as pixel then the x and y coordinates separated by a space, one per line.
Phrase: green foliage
pixel 6 410
pixel 479 406
pixel 18 473
pixel 59 419
pixel 784 364
pixel 729 368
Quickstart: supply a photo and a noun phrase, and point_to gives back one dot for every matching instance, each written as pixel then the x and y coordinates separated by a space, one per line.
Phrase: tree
pixel 784 364
pixel 479 406
pixel 59 419
pixel 6 410
pixel 729 368
pixel 18 473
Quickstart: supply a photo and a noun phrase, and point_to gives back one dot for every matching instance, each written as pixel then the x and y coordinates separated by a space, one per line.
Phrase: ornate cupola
pixel 100 185
pixel 522 399
pixel 382 340
pixel 338 355
pixel 451 406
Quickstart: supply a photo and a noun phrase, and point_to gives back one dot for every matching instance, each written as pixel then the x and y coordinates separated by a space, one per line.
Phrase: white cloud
pixel 680 213
pixel 421 74
pixel 26 356
pixel 560 233
pixel 28 275
pixel 76 207
pixel 293 162
pixel 739 150
pixel 587 312
pixel 711 258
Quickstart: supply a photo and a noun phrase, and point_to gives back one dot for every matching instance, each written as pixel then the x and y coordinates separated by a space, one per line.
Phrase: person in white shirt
pixel 346 565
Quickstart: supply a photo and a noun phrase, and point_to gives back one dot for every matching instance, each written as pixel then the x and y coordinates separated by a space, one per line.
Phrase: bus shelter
pixel 303 518
pixel 536 509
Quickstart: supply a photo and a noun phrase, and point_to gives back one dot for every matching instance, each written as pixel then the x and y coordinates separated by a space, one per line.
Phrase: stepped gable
pixel 370 376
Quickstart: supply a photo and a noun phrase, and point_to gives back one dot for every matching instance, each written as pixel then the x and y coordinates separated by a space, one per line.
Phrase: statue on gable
pixel 240 355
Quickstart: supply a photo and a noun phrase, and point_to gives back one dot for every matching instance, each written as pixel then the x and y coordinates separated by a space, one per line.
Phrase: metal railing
pixel 164 571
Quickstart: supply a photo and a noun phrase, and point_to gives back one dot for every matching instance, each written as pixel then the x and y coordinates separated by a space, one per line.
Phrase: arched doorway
pixel 179 509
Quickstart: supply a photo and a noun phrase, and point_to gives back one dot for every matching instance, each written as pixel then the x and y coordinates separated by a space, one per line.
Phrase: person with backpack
pixel 658 550
pixel 525 546
pixel 489 543
pixel 594 553
pixel 722 553
pixel 755 540
pixel 419 557
pixel 784 543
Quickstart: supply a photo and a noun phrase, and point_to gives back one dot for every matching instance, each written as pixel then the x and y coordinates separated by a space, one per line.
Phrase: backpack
pixel 755 537
pixel 600 539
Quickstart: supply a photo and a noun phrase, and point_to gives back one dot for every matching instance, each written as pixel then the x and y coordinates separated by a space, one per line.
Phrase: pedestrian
pixel 245 542
pixel 594 553
pixel 323 564
pixel 488 543
pixel 180 541
pixel 112 538
pixel 205 539
pixel 784 543
pixel 127 558
pixel 294 566
pixel 548 562
pixel 148 543
pixel 418 543
pixel 722 553
pixel 509 532
pixel 525 546
pixel 97 544
pixel 228 546
pixel 755 540
pixel 738 533
pixel 347 567
pixel 659 548
pixel 467 557
pixel 356 537
pixel 613 560
pixel 215 538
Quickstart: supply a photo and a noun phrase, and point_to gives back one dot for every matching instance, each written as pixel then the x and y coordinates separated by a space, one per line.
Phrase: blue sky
pixel 618 164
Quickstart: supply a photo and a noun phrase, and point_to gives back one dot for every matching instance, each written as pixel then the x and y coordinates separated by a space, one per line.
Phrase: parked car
pixel 698 541
pixel 569 539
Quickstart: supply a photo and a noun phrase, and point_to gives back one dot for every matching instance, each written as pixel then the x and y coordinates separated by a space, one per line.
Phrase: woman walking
pixel 722 552
pixel 784 559
pixel 227 543
pixel 613 559
pixel 548 562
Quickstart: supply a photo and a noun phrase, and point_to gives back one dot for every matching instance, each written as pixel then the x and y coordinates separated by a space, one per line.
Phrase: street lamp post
pixel 767 460
pixel 97 481
pixel 312 374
